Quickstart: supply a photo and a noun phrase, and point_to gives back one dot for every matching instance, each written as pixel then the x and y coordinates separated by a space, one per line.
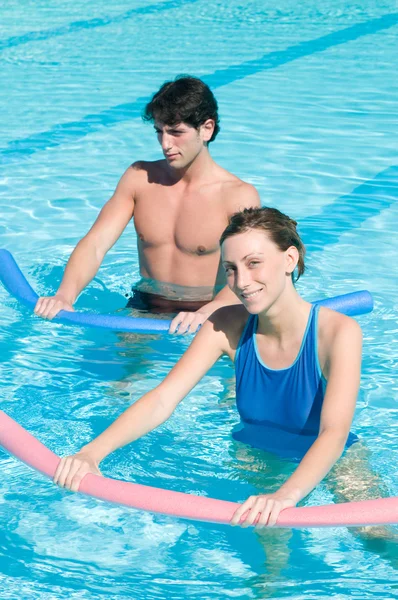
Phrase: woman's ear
pixel 292 257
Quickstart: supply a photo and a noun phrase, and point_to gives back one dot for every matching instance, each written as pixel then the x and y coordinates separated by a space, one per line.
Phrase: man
pixel 180 205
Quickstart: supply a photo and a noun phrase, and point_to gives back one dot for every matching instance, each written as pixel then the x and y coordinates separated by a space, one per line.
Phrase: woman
pixel 297 367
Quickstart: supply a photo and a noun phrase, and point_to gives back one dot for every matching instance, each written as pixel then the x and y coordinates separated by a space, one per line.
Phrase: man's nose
pixel 166 141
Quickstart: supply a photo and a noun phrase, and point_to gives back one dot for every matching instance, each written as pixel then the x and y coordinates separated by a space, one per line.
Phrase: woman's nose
pixel 242 279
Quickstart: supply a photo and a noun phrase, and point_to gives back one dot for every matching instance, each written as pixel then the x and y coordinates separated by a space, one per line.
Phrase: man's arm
pixel 89 253
pixel 246 196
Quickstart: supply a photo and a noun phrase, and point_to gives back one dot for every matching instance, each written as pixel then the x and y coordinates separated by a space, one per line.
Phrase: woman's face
pixel 257 270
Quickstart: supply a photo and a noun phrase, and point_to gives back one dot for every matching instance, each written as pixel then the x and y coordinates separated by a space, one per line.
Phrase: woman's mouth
pixel 250 295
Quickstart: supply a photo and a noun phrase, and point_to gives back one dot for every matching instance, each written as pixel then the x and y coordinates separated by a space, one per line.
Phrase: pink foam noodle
pixel 24 446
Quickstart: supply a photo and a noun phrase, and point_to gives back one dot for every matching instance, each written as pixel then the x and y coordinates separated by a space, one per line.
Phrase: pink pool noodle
pixel 23 445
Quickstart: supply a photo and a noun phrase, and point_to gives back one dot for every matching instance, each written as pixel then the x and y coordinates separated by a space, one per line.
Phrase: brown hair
pixel 280 228
pixel 184 100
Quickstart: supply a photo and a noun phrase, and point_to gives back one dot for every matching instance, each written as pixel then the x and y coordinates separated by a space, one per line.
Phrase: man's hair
pixel 280 228
pixel 184 100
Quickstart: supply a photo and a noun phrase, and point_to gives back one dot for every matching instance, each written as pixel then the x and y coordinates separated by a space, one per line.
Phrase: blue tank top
pixel 280 409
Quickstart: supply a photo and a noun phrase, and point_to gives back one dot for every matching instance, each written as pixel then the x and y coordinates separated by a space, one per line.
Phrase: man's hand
pixel 48 307
pixel 191 322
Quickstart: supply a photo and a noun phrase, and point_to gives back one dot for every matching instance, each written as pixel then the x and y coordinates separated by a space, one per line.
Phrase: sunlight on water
pixel 307 97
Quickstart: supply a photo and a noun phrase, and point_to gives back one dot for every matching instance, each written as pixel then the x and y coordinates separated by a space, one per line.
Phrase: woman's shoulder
pixel 231 320
pixel 333 326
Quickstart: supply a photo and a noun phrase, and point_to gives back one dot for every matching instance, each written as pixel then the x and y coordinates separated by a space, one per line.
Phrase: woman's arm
pixel 153 409
pixel 344 367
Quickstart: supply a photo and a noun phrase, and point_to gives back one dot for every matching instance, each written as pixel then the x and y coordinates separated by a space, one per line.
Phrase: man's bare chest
pixel 191 224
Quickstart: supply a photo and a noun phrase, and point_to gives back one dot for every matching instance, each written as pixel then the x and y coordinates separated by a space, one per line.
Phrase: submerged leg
pixel 265 473
pixel 351 480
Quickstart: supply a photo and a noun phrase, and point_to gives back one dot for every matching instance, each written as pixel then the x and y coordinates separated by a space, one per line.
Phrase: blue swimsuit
pixel 280 409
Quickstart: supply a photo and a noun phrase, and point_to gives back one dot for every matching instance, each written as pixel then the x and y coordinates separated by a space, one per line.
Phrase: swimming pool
pixel 308 114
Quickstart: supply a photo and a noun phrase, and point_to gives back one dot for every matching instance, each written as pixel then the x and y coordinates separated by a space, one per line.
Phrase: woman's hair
pixel 280 228
pixel 184 100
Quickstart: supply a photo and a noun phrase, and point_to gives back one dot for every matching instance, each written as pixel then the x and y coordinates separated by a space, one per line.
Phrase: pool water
pixel 308 103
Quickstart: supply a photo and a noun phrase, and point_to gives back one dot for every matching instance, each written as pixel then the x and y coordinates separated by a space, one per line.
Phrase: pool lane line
pixel 348 212
pixel 64 133
pixel 88 24
pixel 278 58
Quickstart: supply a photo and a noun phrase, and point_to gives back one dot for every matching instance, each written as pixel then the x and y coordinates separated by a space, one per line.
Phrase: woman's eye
pixel 253 263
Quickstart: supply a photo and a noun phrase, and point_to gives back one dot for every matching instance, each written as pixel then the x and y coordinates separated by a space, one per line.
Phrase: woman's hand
pixel 263 510
pixel 72 469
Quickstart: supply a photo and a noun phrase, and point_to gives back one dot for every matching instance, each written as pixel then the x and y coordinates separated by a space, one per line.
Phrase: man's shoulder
pixel 147 166
pixel 142 172
pixel 236 192
pixel 241 186
pixel 240 195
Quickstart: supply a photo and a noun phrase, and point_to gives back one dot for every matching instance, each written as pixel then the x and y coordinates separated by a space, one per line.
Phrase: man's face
pixel 181 143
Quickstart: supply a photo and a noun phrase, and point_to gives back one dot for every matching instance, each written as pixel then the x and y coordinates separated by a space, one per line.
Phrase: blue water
pixel 307 97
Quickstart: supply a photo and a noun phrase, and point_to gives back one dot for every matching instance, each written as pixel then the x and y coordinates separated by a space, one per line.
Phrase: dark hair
pixel 184 100
pixel 280 228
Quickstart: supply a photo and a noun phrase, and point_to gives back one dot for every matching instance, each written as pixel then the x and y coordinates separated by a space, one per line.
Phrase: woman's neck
pixel 285 317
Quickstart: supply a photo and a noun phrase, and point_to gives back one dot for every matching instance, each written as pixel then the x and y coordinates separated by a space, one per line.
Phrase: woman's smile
pixel 250 295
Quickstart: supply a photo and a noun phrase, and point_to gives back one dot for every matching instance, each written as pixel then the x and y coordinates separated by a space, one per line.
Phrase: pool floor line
pixel 367 200
pixel 64 133
pixel 89 24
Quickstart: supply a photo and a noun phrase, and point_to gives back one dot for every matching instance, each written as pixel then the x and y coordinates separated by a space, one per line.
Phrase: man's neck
pixel 200 168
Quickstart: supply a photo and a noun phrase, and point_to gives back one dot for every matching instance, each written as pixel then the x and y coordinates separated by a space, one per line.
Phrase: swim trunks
pixel 150 295
pixel 144 301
